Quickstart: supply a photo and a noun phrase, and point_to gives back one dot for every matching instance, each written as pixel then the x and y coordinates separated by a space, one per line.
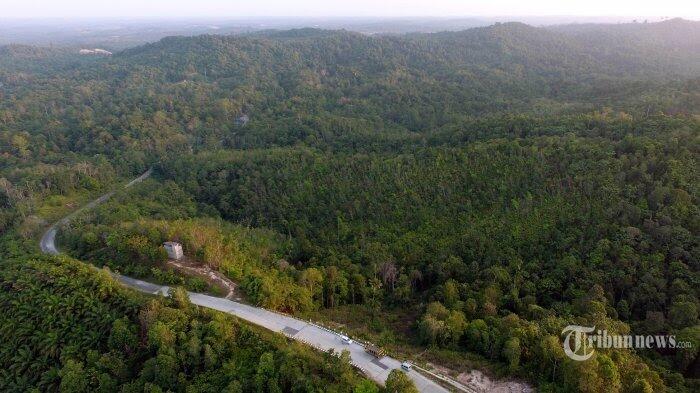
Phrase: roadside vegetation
pixel 97 336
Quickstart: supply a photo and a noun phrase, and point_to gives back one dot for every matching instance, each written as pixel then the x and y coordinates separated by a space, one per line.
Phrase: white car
pixel 406 366
pixel 347 340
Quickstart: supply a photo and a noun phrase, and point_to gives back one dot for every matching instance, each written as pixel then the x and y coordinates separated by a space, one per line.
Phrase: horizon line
pixel 299 17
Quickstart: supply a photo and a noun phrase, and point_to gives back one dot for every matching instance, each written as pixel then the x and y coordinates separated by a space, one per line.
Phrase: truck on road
pixel 374 351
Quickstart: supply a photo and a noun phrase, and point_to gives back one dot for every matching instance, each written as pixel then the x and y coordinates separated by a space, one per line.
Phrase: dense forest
pixel 485 187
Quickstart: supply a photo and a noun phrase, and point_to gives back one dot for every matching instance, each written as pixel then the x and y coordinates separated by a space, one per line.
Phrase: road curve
pixel 48 240
pixel 303 331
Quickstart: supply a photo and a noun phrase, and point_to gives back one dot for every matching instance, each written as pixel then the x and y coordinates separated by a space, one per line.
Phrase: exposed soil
pixel 213 277
pixel 483 383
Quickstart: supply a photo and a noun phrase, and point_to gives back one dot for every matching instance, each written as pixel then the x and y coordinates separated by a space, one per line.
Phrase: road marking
pixel 376 361
pixel 290 331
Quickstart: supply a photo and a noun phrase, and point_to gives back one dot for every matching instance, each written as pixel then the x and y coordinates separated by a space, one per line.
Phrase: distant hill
pixel 485 66
pixel 672 33
pixel 664 48
pixel 613 50
pixel 27 58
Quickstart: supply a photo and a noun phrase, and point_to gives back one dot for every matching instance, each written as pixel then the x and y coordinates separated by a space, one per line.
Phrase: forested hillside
pixel 462 195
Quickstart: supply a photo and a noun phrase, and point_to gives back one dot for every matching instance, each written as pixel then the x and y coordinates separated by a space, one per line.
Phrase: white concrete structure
pixel 96 51
pixel 173 249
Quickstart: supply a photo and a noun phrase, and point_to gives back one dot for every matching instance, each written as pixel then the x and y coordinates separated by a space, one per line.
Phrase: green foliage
pixel 73 377
pixel 366 387
pixel 511 353
pixel 442 326
pixel 96 336
pixel 398 382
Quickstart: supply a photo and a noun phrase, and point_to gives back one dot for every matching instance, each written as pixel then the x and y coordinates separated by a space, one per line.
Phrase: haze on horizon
pixel 35 9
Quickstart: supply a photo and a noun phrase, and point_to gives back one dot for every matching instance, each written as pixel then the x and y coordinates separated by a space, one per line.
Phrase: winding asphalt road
pixel 306 332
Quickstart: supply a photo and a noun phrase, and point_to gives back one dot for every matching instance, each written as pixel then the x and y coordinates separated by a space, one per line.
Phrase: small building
pixel 173 249
pixel 242 120
pixel 96 51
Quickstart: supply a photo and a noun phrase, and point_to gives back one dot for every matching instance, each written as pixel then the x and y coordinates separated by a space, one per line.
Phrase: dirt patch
pixel 481 382
pixel 212 276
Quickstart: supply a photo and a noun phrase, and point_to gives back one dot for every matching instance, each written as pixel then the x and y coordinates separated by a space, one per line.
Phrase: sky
pixel 689 9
